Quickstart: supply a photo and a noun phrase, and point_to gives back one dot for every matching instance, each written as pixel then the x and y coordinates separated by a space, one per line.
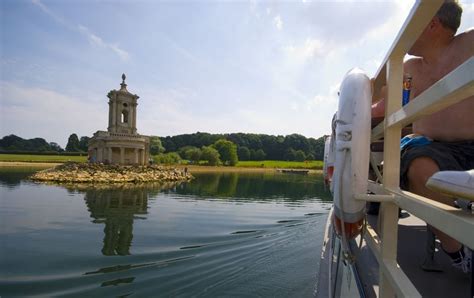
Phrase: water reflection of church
pixel 117 208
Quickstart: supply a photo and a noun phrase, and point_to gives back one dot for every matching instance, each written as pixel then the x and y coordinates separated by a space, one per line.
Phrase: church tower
pixel 120 144
pixel 122 110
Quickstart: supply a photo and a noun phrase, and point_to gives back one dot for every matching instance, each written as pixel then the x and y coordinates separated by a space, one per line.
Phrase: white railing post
pixel 391 173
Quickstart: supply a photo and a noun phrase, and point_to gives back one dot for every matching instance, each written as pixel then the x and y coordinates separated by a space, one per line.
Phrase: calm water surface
pixel 223 234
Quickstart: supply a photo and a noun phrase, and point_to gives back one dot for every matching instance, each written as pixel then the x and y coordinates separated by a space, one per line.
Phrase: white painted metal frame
pixel 451 89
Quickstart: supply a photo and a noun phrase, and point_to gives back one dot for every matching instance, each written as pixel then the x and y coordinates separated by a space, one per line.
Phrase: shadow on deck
pixel 411 254
pixel 412 237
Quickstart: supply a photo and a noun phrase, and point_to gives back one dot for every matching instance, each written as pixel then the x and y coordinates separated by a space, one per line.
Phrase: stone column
pixel 143 156
pixel 98 157
pixel 110 154
pixel 122 155
pixel 118 115
pixel 134 118
pixel 114 114
pixel 110 115
pixel 136 155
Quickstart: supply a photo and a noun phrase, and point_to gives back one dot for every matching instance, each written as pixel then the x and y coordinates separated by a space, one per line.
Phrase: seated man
pixel 438 51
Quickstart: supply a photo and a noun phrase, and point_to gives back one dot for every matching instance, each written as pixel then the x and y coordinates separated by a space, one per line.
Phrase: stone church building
pixel 120 144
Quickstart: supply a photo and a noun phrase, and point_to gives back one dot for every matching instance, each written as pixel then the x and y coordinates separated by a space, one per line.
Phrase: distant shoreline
pixel 191 168
pixel 211 169
pixel 28 164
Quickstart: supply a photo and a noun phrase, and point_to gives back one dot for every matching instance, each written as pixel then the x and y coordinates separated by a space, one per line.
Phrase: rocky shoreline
pixel 73 172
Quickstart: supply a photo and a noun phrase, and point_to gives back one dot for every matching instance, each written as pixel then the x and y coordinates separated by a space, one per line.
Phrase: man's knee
pixel 420 170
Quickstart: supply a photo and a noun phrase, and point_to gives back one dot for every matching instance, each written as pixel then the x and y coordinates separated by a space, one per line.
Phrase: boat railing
pixel 451 89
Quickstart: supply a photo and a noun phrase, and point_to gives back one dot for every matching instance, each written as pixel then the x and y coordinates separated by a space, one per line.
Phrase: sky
pixel 267 67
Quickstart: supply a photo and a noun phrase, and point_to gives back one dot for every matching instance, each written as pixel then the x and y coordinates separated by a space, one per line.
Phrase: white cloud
pixel 309 49
pixel 467 6
pixel 49 12
pixel 392 24
pixel 294 106
pixel 254 8
pixel 96 40
pixel 467 21
pixel 93 38
pixel 38 112
pixel 327 100
pixel 278 22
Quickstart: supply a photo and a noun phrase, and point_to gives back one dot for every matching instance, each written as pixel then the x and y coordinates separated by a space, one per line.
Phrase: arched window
pixel 124 116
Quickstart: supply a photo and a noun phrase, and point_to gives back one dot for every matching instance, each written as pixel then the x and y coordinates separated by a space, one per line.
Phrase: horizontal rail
pixel 376 188
pixel 454 87
pixel 455 222
pixel 374 198
pixel 378 131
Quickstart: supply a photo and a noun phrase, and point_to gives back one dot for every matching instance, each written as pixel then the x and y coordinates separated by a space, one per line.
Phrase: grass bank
pixel 280 164
pixel 25 159
pixel 40 158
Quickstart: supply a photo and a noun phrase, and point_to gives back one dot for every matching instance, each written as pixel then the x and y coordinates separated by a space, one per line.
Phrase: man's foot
pixel 464 263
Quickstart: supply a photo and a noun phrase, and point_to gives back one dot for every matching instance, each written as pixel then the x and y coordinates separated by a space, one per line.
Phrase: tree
pixel 73 143
pixel 168 158
pixel 182 151
pixel 55 147
pixel 257 154
pixel 243 153
pixel 227 151
pixel 84 144
pixel 210 155
pixel 275 147
pixel 290 154
pixel 193 154
pixel 155 145
pixel 297 142
pixel 13 143
pixel 39 144
pixel 318 147
pixel 299 155
pixel 310 156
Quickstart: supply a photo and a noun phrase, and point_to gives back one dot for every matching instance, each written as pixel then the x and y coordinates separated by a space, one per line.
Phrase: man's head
pixel 444 24
pixel 449 15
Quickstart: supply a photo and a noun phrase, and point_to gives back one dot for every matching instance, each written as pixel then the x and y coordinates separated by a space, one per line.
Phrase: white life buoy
pixel 328 167
pixel 352 152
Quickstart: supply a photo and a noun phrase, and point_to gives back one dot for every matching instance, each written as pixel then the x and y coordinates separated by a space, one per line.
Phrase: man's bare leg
pixel 420 170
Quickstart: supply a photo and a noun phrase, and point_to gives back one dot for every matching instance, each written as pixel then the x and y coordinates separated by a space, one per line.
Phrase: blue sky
pixel 269 67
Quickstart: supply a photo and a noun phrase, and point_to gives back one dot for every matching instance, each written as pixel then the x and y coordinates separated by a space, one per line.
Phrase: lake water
pixel 223 234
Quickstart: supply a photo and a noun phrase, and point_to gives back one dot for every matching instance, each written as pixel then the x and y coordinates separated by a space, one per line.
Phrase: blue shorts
pixel 450 156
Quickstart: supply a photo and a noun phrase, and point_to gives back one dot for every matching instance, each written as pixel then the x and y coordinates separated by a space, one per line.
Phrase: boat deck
pixel 412 237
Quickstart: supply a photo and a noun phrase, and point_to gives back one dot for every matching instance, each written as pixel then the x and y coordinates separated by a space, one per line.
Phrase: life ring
pixel 328 167
pixel 352 152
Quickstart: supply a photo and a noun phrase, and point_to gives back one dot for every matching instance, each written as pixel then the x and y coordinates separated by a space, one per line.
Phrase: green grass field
pixel 315 165
pixel 40 158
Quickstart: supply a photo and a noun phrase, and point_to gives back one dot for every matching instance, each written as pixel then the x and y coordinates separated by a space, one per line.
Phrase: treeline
pixel 15 144
pixel 195 147
pixel 222 152
pixel 292 147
